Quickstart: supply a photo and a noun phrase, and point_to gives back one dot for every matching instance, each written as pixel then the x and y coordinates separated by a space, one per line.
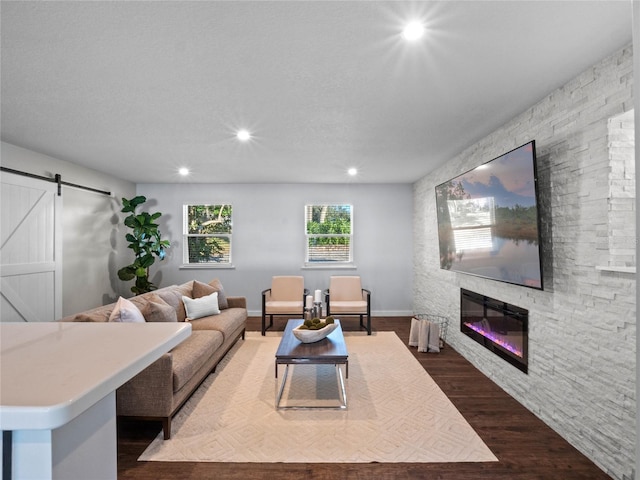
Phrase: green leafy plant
pixel 146 243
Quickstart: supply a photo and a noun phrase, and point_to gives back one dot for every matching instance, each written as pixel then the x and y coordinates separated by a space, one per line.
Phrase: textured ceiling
pixel 138 89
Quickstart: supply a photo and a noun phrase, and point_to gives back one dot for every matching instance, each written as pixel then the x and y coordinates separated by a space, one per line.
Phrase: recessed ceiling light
pixel 183 171
pixel 243 135
pixel 413 31
pixel 352 171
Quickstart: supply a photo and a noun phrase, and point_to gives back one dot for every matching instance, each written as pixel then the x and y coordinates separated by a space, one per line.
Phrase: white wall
pixel 93 239
pixel 268 237
pixel 582 328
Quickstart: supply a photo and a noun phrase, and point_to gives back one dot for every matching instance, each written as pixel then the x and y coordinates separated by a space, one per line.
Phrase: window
pixel 207 234
pixel 329 233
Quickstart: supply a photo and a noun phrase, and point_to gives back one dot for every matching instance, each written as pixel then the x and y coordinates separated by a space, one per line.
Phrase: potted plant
pixel 146 243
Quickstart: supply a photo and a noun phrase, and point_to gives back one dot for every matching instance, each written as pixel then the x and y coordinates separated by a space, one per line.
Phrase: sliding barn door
pixel 30 250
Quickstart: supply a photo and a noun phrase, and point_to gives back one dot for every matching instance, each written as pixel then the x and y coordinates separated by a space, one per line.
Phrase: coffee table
pixel 330 350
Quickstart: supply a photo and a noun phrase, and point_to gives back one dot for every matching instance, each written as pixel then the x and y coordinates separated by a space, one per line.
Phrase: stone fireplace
pixel 498 326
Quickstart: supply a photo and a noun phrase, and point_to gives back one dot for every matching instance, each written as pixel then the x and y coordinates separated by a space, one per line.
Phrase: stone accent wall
pixel 621 249
pixel 582 328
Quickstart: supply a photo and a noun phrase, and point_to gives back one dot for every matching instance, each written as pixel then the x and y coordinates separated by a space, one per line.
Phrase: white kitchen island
pixel 57 392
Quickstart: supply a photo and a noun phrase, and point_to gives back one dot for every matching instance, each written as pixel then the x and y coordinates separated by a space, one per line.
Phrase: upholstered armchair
pixel 346 296
pixel 285 297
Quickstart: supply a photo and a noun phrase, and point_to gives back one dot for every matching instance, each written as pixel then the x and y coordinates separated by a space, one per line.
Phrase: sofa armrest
pixel 150 393
pixel 237 302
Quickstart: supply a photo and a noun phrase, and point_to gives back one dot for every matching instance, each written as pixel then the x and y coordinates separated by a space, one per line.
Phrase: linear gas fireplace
pixel 498 326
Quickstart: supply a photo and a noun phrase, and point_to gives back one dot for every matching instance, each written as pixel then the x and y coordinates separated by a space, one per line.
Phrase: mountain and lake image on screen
pixel 488 221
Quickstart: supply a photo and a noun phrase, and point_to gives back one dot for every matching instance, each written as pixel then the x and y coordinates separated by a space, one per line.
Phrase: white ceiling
pixel 138 89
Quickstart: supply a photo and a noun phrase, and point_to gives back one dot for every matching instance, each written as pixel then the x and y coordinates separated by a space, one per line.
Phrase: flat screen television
pixel 488 220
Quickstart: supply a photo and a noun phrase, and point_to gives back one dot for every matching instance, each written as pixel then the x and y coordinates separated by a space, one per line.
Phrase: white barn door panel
pixel 30 250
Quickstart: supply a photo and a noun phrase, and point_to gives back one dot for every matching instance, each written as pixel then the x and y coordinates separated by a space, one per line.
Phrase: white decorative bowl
pixel 310 336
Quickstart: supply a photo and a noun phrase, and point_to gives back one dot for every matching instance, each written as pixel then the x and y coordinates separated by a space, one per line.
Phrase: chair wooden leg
pixel 368 324
pixel 263 323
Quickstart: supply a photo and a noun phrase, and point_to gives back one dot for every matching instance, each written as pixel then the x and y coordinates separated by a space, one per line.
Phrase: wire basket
pixel 441 320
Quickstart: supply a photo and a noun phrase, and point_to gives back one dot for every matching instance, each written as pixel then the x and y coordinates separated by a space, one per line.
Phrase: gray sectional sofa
pixel 159 391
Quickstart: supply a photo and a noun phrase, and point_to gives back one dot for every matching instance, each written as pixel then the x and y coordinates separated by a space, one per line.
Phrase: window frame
pixel 186 235
pixel 307 236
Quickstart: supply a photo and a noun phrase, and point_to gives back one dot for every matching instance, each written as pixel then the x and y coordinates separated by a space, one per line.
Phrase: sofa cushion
pixel 201 307
pixel 202 289
pixel 125 311
pixel 98 314
pixel 93 316
pixel 227 322
pixel 157 310
pixel 192 354
pixel 173 296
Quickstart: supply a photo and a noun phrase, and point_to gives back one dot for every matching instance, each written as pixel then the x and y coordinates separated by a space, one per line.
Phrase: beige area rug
pixel 396 412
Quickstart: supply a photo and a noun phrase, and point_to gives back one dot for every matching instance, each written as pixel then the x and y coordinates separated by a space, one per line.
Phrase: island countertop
pixel 52 372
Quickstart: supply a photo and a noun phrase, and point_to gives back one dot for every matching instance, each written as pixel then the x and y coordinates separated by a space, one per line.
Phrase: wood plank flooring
pixel 525 446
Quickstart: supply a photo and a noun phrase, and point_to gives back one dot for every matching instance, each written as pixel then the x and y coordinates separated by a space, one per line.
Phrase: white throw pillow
pixel 125 311
pixel 201 307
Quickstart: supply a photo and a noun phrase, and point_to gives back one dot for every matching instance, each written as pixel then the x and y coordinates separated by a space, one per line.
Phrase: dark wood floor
pixel 525 446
